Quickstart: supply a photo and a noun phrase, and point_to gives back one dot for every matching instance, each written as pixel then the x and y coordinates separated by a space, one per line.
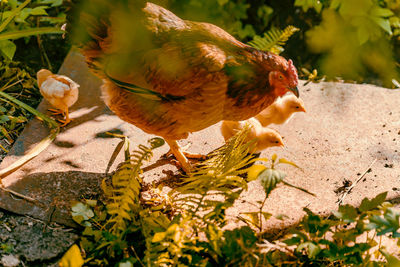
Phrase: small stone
pixel 388 165
pixel 9 260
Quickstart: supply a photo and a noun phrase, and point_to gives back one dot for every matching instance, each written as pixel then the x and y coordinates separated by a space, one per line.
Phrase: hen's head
pixel 285 79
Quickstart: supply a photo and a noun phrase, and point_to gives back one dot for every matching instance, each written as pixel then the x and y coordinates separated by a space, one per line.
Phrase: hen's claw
pixel 195 156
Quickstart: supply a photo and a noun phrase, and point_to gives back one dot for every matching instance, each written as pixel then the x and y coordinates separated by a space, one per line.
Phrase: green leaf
pixel 14 13
pixel 381 12
pixel 311 249
pixel 52 2
pixel 266 215
pixel 40 10
pixel 158 237
pixel 285 161
pixel 346 213
pixel 269 178
pixel 367 204
pixel 254 218
pixel 295 240
pixel 125 264
pixel 383 23
pixel 392 261
pixel 335 4
pixel 8 49
pixel 29 32
pixel 388 224
pixel 80 209
pixel 156 142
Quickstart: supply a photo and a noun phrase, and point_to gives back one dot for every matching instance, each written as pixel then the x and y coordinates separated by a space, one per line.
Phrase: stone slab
pixel 345 128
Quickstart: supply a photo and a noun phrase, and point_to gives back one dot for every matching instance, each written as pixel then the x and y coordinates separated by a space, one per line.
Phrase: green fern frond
pixel 125 189
pixel 274 39
pixel 217 182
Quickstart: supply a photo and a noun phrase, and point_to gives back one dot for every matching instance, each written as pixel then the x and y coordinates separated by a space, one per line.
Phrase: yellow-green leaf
pixel 72 258
pixel 254 171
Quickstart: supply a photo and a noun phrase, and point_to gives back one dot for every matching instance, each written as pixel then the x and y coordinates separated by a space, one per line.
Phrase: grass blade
pixel 41 146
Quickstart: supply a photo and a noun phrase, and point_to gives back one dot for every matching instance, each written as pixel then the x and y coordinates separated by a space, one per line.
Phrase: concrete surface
pixel 345 128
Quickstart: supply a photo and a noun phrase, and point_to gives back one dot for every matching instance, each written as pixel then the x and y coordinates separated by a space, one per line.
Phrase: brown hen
pixel 170 76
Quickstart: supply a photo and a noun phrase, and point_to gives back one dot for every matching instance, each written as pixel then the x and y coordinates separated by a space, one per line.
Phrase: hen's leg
pixel 188 155
pixel 176 150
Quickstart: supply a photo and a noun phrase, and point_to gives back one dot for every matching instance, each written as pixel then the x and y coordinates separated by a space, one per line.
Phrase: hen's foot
pixel 176 150
pixel 186 154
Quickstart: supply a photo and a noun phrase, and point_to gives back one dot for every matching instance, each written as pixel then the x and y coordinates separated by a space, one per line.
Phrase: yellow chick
pixel 264 137
pixel 59 90
pixel 281 110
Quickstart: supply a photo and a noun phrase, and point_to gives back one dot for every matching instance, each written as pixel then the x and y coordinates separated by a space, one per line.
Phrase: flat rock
pixel 346 127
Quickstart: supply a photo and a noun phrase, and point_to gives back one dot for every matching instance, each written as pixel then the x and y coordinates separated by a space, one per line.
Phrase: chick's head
pixel 284 80
pixel 42 75
pixel 268 138
pixel 293 104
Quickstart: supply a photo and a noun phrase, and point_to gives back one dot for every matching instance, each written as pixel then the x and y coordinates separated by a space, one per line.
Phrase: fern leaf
pixel 124 202
pixel 215 184
pixel 274 39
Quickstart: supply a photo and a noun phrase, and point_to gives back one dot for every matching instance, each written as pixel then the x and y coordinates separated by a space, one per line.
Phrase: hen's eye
pixel 297 107
pixel 280 77
pixel 276 142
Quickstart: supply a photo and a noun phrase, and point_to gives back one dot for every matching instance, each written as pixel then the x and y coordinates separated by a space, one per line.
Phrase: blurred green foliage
pixel 25 19
pixel 348 39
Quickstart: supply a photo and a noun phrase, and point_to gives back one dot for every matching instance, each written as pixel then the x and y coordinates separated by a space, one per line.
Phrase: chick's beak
pixel 295 91
pixel 303 109
pixel 281 144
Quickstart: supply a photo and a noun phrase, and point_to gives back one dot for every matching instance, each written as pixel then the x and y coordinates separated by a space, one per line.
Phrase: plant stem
pixel 261 215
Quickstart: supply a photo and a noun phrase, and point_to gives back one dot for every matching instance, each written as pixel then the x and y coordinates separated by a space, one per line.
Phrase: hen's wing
pixel 173 58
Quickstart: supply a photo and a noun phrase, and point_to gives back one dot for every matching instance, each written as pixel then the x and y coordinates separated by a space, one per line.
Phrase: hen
pixel 59 90
pixel 281 110
pixel 264 137
pixel 170 76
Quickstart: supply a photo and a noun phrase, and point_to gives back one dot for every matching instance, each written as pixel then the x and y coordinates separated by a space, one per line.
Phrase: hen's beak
pixel 295 91
pixel 303 109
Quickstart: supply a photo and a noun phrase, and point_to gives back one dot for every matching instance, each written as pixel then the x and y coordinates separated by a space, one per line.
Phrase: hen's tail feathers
pixel 87 20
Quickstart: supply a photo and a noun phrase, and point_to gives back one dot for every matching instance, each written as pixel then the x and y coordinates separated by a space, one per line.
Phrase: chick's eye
pixel 297 107
pixel 276 142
